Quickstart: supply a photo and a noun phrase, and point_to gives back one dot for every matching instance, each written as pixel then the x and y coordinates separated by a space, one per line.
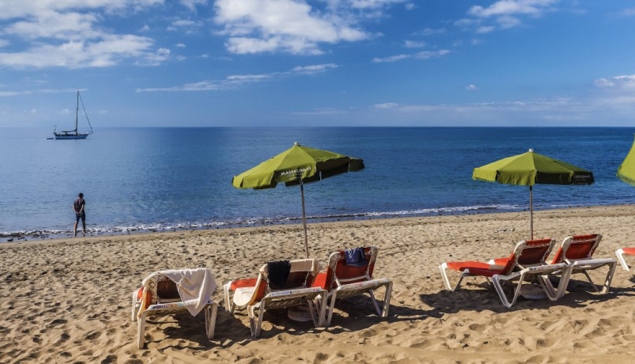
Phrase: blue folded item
pixel 355 257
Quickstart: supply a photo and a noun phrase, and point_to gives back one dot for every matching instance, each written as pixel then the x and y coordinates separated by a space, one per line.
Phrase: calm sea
pixel 158 179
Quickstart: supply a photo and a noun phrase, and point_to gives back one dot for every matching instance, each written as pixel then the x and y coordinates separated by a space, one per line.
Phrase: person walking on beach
pixel 79 207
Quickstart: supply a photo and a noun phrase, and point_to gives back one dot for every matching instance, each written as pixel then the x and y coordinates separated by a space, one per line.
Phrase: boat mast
pixel 77 112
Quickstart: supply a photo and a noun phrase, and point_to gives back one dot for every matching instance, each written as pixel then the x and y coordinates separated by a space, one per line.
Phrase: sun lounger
pixel 620 256
pixel 343 280
pixel 262 293
pixel 525 264
pixel 170 291
pixel 578 251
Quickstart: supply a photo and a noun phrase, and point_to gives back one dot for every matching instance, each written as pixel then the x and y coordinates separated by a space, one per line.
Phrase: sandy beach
pixel 68 301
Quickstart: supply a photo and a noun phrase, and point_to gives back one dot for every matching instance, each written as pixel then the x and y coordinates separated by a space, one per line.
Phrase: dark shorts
pixel 80 216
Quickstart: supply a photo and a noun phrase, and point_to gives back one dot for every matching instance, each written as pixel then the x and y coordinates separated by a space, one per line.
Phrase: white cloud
pixel 11 9
pixel 410 6
pixel 507 22
pixel 293 26
pixel 471 87
pixel 4 43
pixel 371 4
pixel 414 44
pixel 509 7
pixel 626 82
pixel 390 59
pixel 432 54
pixel 419 55
pixel 180 45
pixel 106 52
pixel 154 59
pixel 504 14
pixel 628 12
pixel 234 81
pixel 68 34
pixel 484 29
pixel 387 105
pixel 190 26
pixel 314 68
pixel 191 4
pixel 432 31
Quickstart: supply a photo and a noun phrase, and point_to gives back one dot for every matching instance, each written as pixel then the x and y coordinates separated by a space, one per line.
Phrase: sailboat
pixel 74 134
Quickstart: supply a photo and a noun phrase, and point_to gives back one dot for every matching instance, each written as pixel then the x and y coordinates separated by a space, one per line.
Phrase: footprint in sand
pixel 58 322
pixel 93 335
pixel 109 359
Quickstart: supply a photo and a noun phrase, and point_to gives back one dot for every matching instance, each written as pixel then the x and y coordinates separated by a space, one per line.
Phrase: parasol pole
pixel 531 212
pixel 306 238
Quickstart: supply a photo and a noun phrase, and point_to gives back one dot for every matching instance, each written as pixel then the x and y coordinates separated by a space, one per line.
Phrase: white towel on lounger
pixel 195 287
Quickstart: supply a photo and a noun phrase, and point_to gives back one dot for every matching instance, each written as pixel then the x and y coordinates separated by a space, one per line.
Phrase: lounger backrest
pixel 577 247
pixel 339 273
pixel 535 252
pixel 301 275
pixel 158 288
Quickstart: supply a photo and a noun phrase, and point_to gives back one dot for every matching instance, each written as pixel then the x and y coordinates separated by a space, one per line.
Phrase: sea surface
pixel 164 179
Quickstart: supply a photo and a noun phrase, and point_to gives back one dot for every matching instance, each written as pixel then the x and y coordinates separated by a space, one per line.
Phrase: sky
pixel 192 63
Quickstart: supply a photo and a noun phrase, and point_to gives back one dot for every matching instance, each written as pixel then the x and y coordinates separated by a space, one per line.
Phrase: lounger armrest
pixel 364 285
pixel 174 305
pixel 295 292
pixel 593 262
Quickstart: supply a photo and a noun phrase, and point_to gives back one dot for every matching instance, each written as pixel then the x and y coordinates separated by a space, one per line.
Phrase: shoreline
pixel 68 300
pixel 47 235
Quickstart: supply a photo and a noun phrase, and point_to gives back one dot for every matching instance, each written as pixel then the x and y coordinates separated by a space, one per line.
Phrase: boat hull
pixel 70 136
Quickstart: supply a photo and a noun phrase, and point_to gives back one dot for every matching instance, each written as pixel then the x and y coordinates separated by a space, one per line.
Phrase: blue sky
pixel 318 63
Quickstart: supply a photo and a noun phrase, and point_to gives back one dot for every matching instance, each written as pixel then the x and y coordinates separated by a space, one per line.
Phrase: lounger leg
pixel 609 278
pixel 387 300
pixel 135 306
pixel 620 258
pixel 229 305
pixel 313 311
pixel 322 308
pixel 210 320
pixel 444 274
pixel 496 279
pixel 331 308
pixel 141 328
pixel 261 314
pixel 372 298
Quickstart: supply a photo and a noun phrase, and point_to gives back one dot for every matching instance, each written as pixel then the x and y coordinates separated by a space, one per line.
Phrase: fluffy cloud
pixel 69 34
pixel 626 82
pixel 504 14
pixel 293 26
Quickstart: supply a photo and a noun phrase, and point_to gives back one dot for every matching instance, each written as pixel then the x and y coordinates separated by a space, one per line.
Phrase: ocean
pixel 165 179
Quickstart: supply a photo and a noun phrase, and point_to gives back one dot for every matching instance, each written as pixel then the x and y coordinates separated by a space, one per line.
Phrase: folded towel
pixel 355 257
pixel 278 273
pixel 195 286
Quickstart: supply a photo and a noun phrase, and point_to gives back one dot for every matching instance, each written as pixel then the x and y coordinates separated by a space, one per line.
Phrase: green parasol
pixel 626 172
pixel 530 168
pixel 297 165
